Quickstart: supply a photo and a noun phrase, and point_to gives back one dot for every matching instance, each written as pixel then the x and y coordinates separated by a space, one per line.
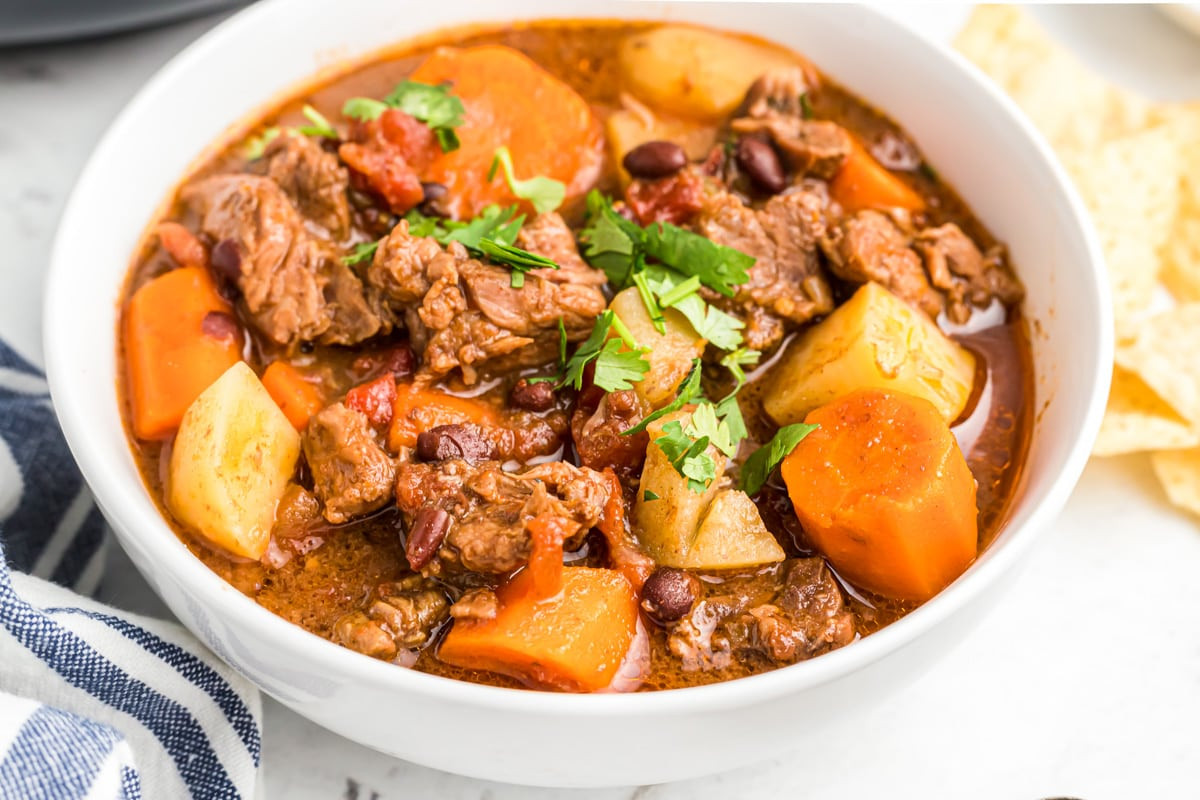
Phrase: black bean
pixel 429 527
pixel 654 160
pixel 761 163
pixel 454 441
pixel 432 202
pixel 226 259
pixel 219 325
pixel 532 396
pixel 669 594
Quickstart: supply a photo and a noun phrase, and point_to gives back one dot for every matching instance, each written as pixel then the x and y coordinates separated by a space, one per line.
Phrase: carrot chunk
pixel 295 396
pixel 885 494
pixel 511 101
pixel 179 336
pixel 863 182
pixel 574 641
pixel 418 409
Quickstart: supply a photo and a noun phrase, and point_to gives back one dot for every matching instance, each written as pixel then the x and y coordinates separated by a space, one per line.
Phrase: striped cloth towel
pixel 95 703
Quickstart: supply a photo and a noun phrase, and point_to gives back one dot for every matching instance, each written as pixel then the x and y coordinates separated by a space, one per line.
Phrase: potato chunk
pixel 670 354
pixel 628 128
pixel 232 459
pixel 695 72
pixel 874 340
pixel 717 529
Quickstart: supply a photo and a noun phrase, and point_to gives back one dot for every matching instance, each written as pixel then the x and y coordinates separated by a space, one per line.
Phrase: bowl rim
pixel 201 582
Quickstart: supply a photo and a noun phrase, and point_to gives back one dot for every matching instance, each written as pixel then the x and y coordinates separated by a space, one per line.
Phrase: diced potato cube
pixel 670 354
pixel 731 535
pixel 694 72
pixel 874 340
pixel 666 526
pixel 231 462
pixel 717 529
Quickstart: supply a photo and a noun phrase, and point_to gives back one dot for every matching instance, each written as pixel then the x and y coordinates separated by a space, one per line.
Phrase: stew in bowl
pixel 581 356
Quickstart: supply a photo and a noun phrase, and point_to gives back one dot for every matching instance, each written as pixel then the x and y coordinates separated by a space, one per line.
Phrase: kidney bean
pixel 669 594
pixel 431 202
pixel 654 160
pixel 532 396
pixel 761 163
pixel 455 441
pixel 226 260
pixel 429 527
pixel 219 325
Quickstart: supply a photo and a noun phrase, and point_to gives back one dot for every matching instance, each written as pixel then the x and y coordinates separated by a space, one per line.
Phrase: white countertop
pixel 1085 683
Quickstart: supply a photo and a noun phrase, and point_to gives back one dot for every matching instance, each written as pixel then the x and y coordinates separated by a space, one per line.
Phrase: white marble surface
pixel 1086 683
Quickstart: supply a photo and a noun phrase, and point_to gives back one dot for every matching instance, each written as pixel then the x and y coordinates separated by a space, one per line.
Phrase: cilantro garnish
pixel 762 462
pixel 433 105
pixel 545 194
pixel 363 251
pixel 806 109
pixel 649 495
pixel 618 361
pixel 320 125
pixel 688 456
pixel 735 360
pixel 256 145
pixel 490 234
pixel 687 391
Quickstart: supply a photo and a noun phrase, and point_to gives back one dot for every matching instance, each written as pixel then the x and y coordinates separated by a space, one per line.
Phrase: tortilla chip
pixel 1138 419
pixel 1179 472
pixel 1166 355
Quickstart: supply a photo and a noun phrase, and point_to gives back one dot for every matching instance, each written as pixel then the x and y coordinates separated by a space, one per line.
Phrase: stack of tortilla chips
pixel 1136 164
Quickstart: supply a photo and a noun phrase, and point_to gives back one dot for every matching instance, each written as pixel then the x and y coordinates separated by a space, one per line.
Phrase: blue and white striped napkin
pixel 95 703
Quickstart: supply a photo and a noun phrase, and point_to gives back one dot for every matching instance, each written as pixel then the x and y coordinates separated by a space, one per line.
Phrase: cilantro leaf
pixel 649 495
pixel 433 105
pixel 546 194
pixel 363 251
pixel 518 260
pixel 763 461
pixel 562 344
pixel 806 109
pixel 718 267
pixel 490 234
pixel 741 357
pixel 730 412
pixel 687 391
pixel 688 456
pixel 320 125
pixel 720 329
pixel 651 304
pixel 705 424
pixel 610 240
pixel 616 368
pixel 363 109
pixel 256 145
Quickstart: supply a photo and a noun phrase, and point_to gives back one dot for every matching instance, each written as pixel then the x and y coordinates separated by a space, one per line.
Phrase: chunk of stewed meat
pixel 810 147
pixel 787 284
pixel 313 179
pixel 293 286
pixel 461 312
pixel 965 275
pixel 490 508
pixel 352 474
pixel 868 246
pixel 598 425
pixel 476 604
pixel 399 615
pixel 675 199
pixel 806 618
pixel 548 235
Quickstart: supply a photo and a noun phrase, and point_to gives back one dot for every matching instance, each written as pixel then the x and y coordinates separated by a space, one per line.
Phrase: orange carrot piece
pixel 418 410
pixel 181 244
pixel 171 354
pixel 623 555
pixel 511 101
pixel 295 396
pixel 863 182
pixel 885 494
pixel 573 642
pixel 548 532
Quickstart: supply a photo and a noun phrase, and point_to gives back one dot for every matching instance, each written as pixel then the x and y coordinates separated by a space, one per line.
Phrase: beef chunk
pixel 293 285
pixel 965 275
pixel 462 312
pixel 490 508
pixel 801 616
pixel 477 604
pixel 313 179
pixel 810 147
pixel 352 474
pixel 808 617
pixel 868 246
pixel 777 92
pixel 596 427
pixel 786 282
pixel 400 615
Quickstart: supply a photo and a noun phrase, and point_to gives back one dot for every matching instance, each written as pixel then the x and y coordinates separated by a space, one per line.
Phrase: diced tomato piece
pixel 375 399
pixel 674 199
pixel 388 152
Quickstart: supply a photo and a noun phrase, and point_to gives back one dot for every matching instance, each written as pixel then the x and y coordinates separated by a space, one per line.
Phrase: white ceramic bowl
pixel 974 136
